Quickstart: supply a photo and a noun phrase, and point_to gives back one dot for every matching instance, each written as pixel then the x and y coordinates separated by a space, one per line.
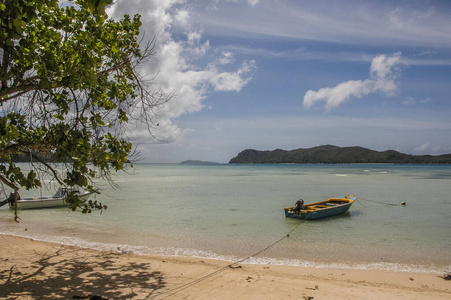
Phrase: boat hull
pixel 323 209
pixel 45 202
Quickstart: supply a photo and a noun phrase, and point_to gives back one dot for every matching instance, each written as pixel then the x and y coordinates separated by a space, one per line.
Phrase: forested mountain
pixel 329 154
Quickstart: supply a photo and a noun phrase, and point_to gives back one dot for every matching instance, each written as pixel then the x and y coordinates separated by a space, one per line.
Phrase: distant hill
pixel 198 162
pixel 25 157
pixel 329 154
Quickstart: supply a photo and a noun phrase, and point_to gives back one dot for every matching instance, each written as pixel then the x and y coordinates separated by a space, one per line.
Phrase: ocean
pixel 234 211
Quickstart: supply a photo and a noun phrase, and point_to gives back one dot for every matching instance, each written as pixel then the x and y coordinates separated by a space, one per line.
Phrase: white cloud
pixel 226 58
pixel 413 101
pixel 167 133
pixel 175 66
pixel 194 38
pixel 409 101
pixel 426 100
pixel 182 17
pixel 232 81
pixel 383 73
pixel 382 65
pixel 422 148
pixel 414 23
pixel 250 2
pixel 404 17
pixel 334 96
pixel 193 45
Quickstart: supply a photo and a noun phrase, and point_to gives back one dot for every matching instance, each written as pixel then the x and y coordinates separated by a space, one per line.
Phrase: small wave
pixel 394 267
pixel 195 253
pixel 126 249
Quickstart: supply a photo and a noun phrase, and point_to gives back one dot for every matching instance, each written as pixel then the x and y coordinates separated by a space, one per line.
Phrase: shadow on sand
pixel 68 273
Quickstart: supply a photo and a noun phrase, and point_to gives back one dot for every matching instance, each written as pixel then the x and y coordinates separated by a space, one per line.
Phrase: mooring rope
pixel 176 290
pixel 379 202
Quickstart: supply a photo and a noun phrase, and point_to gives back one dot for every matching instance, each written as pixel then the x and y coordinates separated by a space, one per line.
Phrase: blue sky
pixel 267 74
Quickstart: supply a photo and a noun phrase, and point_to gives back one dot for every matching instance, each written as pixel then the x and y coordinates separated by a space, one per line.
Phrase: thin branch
pixel 50 168
pixel 7 182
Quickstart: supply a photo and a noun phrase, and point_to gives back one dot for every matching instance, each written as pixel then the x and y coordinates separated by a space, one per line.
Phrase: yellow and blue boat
pixel 322 209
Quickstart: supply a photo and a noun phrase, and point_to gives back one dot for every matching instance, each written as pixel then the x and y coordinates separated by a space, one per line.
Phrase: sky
pixel 274 74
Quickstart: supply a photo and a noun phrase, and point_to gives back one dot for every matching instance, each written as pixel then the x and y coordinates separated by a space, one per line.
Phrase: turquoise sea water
pixel 233 211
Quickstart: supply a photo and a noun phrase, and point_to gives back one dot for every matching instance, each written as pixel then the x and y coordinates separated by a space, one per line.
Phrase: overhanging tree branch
pixel 70 87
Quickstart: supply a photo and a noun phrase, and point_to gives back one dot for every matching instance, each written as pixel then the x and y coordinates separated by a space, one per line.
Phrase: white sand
pixel 39 270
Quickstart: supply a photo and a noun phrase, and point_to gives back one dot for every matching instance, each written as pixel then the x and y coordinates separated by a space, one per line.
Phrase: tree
pixel 70 89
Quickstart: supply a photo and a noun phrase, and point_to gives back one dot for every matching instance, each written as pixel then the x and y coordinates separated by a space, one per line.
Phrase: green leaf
pixel 71 67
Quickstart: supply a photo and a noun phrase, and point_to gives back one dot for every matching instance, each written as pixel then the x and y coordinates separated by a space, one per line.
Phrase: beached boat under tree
pixel 57 200
pixel 322 209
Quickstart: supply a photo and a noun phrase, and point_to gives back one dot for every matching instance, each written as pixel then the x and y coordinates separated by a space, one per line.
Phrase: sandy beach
pixel 40 270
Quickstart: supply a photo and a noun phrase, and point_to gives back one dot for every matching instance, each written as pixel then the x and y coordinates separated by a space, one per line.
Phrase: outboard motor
pixel 11 199
pixel 298 206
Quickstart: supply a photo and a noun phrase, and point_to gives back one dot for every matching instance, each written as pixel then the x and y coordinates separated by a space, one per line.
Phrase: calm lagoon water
pixel 233 211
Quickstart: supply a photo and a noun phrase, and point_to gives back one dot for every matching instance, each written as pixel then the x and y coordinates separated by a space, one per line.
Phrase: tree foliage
pixel 70 88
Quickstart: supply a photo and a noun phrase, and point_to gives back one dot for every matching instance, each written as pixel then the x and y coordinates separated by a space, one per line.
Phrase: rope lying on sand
pixel 175 290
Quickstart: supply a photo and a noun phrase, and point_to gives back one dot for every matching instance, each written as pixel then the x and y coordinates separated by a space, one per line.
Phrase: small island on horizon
pixel 198 162
pixel 330 154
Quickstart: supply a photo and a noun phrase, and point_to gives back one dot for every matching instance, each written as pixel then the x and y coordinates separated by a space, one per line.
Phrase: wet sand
pixel 39 270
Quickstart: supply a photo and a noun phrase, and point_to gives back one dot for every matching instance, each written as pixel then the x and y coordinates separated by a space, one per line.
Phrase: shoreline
pixel 170 251
pixel 36 269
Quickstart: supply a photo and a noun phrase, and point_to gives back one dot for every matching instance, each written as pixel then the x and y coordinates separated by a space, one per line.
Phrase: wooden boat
pixel 328 208
pixel 57 200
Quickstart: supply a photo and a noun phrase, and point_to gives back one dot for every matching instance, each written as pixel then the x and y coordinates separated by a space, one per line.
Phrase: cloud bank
pixel 413 23
pixel 184 64
pixel 383 73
